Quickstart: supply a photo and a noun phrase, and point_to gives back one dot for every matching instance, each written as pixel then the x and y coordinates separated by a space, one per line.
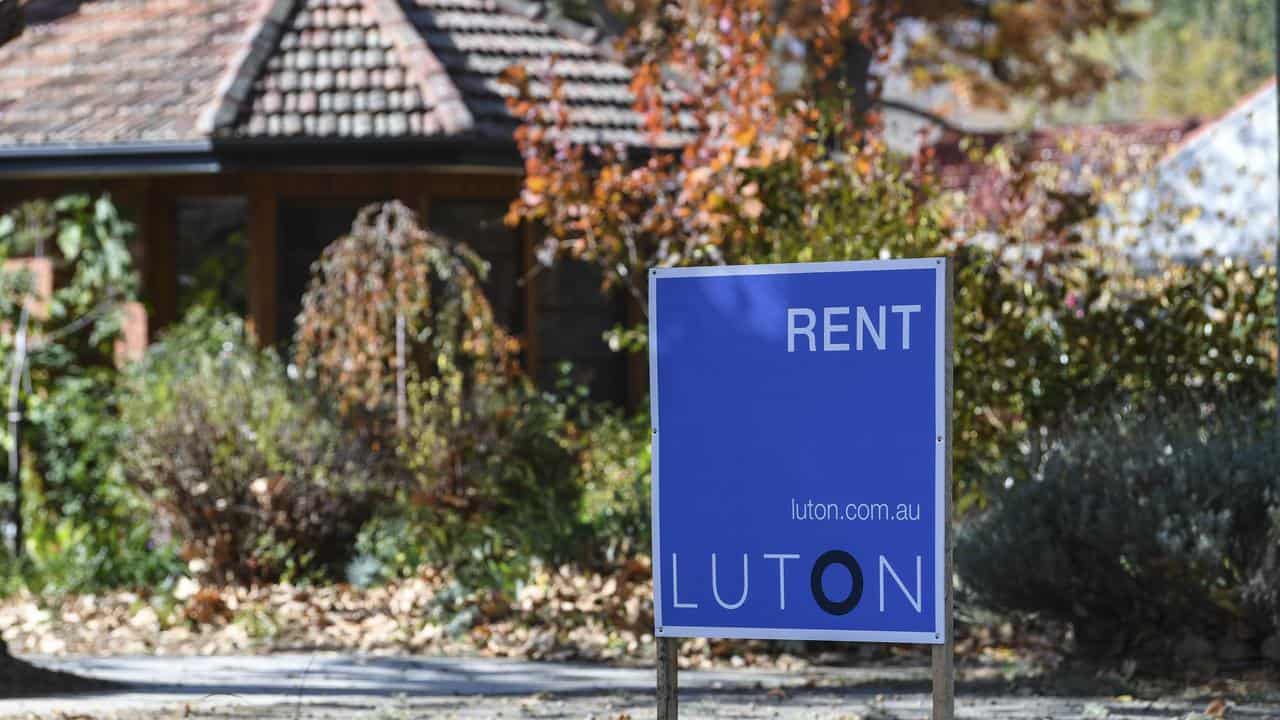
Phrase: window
pixel 572 317
pixel 212 254
pixel 479 224
pixel 305 228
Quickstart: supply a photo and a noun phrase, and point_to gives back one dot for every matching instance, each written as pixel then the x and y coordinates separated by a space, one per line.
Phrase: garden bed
pixel 559 615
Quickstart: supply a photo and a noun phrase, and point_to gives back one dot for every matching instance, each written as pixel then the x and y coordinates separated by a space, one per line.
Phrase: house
pixel 243 135
pixel 1213 193
pixel 1204 188
pixel 959 169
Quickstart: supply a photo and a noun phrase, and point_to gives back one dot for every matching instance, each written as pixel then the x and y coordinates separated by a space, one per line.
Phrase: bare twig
pixel 922 113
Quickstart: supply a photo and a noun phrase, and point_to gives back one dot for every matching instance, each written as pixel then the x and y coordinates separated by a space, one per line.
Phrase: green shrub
pixel 1030 352
pixel 1140 526
pixel 82 522
pixel 82 517
pixel 388 546
pixel 495 487
pixel 613 467
pixel 68 555
pixel 551 478
pixel 548 478
pixel 86 240
pixel 254 476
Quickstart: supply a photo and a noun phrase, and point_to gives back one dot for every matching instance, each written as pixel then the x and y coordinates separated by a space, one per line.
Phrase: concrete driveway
pixel 394 688
pixel 156 683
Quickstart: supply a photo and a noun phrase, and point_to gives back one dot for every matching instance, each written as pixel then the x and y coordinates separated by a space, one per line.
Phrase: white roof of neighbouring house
pixel 1215 193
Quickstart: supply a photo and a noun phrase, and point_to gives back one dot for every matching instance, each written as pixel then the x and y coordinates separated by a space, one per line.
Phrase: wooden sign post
pixel 668 681
pixel 944 674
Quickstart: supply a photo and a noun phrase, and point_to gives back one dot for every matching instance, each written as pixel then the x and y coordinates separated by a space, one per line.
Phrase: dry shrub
pixel 251 473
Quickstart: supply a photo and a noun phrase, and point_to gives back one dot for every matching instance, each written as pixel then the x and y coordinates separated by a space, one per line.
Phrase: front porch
pixel 244 241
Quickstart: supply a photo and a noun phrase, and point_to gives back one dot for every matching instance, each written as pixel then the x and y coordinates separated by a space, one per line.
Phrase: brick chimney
pixel 10 20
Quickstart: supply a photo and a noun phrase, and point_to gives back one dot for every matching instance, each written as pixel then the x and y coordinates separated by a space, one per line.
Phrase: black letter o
pixel 836 557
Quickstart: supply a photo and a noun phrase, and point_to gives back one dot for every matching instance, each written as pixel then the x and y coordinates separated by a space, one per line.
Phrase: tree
pixel 709 83
pixel 994 52
pixel 708 92
pixel 396 326
pixel 1190 58
pixel 388 303
pixel 989 53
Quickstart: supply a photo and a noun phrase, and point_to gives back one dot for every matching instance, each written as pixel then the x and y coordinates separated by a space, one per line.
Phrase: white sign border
pixel 941 512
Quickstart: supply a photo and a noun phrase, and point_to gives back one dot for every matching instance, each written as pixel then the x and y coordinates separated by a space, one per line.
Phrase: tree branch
pixel 922 113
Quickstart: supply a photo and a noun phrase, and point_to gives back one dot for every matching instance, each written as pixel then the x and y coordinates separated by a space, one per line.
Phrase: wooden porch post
pixel 263 263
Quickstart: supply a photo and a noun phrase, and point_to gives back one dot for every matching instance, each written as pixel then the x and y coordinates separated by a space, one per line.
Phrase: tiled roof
pixel 338 72
pixel 476 39
pixel 346 68
pixel 118 71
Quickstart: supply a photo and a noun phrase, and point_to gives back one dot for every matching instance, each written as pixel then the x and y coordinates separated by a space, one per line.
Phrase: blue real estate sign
pixel 800 451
